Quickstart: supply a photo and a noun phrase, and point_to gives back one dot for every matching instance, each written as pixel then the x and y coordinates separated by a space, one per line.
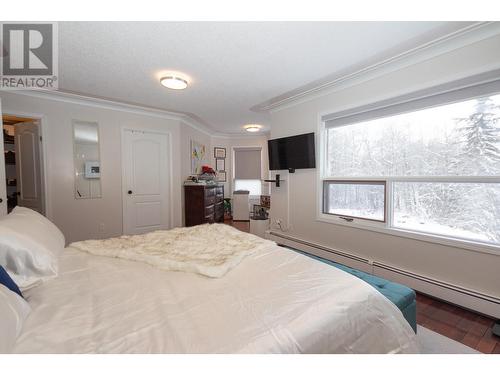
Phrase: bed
pixel 274 301
pixel 400 295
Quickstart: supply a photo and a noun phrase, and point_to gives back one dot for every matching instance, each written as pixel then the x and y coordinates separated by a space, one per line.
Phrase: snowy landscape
pixel 443 147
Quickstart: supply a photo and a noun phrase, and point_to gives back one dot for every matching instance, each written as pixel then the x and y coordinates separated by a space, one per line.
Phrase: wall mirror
pixel 86 159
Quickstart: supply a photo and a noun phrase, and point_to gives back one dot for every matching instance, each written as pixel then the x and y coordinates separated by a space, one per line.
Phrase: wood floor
pixel 244 226
pixel 461 325
pixel 467 327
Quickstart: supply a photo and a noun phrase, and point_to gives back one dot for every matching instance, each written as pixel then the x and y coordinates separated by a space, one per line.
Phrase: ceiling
pixel 233 66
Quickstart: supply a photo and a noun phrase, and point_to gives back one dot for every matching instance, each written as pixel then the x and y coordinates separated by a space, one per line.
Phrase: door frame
pixel 3 188
pixel 169 164
pixel 43 127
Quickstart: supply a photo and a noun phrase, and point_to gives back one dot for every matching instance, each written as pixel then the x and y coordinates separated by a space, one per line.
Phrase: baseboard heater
pixel 467 298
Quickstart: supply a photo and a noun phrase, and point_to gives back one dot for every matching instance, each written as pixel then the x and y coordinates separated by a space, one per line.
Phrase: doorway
pixel 23 164
pixel 146 180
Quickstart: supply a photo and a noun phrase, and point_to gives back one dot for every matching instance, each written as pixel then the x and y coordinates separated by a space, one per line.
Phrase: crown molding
pixel 241 135
pixel 104 103
pixel 196 125
pixel 468 35
pixel 98 102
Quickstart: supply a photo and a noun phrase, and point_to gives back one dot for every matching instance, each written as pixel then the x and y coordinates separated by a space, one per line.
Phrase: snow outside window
pixel 253 186
pixel 440 167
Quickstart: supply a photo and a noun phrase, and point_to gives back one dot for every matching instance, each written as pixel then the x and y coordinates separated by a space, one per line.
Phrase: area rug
pixel 431 342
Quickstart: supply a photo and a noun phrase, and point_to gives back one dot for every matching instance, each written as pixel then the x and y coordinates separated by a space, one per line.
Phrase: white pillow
pixel 40 227
pixel 29 246
pixel 13 311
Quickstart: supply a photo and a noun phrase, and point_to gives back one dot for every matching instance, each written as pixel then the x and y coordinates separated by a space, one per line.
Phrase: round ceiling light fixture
pixel 174 82
pixel 252 128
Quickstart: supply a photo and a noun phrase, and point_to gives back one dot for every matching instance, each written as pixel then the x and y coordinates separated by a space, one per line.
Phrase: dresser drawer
pixel 219 213
pixel 209 192
pixel 210 200
pixel 209 210
pixel 219 208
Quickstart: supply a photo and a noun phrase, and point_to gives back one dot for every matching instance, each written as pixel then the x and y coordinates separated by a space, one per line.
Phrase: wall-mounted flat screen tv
pixel 296 152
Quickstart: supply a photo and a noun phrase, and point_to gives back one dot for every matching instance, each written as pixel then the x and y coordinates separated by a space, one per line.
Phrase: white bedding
pixel 209 249
pixel 274 301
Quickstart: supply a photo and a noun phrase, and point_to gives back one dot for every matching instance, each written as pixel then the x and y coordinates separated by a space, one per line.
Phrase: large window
pixel 433 171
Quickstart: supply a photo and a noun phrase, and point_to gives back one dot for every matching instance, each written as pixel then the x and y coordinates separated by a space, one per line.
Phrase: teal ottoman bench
pixel 402 296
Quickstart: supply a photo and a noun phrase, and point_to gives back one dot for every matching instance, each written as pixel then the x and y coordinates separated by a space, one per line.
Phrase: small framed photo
pixel 219 153
pixel 220 165
pixel 265 201
pixel 259 211
pixel 221 176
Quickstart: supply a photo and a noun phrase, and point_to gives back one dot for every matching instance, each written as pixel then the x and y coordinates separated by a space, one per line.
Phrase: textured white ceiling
pixel 233 66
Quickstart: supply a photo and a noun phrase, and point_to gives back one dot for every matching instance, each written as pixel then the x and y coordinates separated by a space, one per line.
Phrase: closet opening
pixel 22 144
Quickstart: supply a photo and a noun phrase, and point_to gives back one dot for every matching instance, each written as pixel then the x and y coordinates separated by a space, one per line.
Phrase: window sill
pixel 431 238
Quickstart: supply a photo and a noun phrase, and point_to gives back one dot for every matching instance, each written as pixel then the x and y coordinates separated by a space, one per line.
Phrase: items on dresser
pixel 203 204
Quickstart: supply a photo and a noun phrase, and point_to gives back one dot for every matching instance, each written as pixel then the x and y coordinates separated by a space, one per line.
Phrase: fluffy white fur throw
pixel 209 249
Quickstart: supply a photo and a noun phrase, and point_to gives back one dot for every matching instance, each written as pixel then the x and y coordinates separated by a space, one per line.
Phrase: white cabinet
pixel 259 227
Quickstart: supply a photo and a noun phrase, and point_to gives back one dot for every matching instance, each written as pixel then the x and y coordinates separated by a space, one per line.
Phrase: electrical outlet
pixel 101 228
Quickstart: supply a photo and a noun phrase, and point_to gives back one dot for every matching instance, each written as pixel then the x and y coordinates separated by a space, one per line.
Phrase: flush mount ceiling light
pixel 252 128
pixel 174 82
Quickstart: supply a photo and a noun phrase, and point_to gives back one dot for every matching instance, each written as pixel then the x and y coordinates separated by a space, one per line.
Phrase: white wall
pixel 297 199
pixel 101 218
pixel 96 218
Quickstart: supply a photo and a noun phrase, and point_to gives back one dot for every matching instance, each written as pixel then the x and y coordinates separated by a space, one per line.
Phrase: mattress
pixel 274 301
pixel 400 295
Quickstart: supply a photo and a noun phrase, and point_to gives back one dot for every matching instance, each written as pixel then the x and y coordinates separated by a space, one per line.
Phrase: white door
pixel 146 181
pixel 28 162
pixel 3 187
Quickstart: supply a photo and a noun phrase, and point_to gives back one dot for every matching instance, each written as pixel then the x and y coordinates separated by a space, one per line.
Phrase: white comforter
pixel 274 301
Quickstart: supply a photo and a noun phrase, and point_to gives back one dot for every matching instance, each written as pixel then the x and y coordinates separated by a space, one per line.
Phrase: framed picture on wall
pixel 221 176
pixel 220 164
pixel 197 157
pixel 219 153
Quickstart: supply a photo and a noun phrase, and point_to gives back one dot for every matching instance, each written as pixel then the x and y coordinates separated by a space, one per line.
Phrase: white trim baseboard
pixel 455 294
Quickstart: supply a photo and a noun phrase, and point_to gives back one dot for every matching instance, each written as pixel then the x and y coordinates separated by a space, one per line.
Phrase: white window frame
pixel 350 218
pixel 469 88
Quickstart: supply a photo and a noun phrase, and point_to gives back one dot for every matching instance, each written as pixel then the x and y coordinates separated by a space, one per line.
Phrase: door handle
pixel 1 200
pixel 129 192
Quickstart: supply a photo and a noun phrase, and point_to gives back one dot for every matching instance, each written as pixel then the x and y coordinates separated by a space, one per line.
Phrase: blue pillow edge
pixel 7 281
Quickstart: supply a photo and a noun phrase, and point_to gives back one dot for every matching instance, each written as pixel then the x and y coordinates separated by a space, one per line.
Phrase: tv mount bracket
pixel 276 180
